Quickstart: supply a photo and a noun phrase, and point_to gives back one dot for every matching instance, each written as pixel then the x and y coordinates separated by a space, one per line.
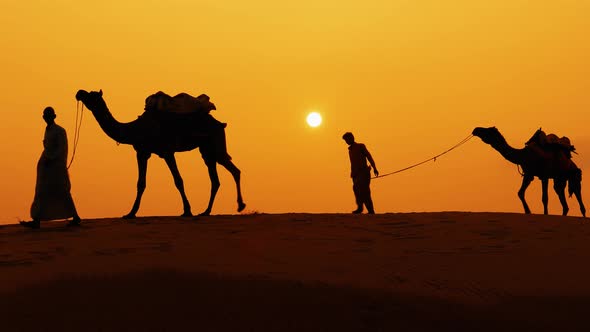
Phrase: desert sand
pixel 444 271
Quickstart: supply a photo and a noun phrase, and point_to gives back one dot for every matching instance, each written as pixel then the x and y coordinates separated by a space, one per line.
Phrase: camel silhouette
pixel 165 133
pixel 536 163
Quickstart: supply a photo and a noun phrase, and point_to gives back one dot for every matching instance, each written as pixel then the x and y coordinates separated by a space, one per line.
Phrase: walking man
pixel 360 173
pixel 52 189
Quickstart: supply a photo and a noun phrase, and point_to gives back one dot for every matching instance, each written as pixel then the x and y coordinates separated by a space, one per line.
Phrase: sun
pixel 314 119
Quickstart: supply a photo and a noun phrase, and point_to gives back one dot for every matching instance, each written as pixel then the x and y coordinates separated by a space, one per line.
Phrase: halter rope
pixel 463 141
pixel 79 110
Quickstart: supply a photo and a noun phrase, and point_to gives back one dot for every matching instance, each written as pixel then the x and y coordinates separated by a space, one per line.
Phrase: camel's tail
pixel 574 182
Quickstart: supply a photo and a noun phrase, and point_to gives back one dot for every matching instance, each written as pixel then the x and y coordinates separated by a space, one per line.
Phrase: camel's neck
pixel 120 132
pixel 511 154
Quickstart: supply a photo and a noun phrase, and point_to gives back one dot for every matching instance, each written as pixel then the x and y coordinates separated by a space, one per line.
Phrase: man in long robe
pixel 53 199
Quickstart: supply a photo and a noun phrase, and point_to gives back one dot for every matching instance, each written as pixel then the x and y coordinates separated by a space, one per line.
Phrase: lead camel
pixel 164 134
pixel 545 166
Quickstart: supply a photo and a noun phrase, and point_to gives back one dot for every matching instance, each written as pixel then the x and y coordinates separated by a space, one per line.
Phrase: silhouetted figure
pixel 52 190
pixel 164 132
pixel 360 173
pixel 540 163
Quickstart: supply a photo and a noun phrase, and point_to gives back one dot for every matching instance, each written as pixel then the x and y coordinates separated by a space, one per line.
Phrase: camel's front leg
pixel 171 162
pixel 559 187
pixel 526 180
pixel 214 177
pixel 142 160
pixel 545 194
pixel 235 172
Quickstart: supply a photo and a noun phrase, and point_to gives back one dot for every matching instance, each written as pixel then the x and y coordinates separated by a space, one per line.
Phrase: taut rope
pixel 80 111
pixel 463 141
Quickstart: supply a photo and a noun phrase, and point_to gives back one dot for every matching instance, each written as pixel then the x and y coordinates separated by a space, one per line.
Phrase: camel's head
pixel 92 100
pixel 488 135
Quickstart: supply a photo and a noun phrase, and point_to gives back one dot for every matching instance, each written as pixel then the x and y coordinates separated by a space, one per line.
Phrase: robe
pixel 52 189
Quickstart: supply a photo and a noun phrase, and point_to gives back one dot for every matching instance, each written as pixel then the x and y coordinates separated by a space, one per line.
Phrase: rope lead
pixel 79 111
pixel 465 140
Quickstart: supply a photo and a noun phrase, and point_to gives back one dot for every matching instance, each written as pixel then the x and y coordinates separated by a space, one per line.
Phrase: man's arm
pixel 371 161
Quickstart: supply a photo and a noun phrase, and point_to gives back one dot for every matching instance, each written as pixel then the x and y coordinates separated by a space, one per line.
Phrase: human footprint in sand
pixel 53 199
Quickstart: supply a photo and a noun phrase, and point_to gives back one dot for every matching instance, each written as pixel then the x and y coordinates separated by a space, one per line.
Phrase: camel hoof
pixel 206 213
pixel 129 216
pixel 241 206
pixel 187 214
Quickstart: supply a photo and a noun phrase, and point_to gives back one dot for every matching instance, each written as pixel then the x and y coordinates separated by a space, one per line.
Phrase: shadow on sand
pixel 164 300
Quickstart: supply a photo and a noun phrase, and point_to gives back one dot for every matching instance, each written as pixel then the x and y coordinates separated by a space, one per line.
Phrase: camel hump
pixel 538 138
pixel 563 142
pixel 551 142
pixel 552 139
pixel 182 103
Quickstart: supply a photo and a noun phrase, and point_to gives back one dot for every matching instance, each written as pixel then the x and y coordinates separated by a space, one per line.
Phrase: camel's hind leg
pixel 235 172
pixel 575 187
pixel 545 195
pixel 142 160
pixel 171 162
pixel 526 181
pixel 223 159
pixel 559 187
pixel 214 178
pixel 578 194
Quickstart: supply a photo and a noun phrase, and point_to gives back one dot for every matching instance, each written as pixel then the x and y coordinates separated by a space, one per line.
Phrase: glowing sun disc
pixel 314 119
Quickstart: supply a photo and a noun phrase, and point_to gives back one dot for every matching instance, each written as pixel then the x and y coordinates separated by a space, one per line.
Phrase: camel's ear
pixel 100 92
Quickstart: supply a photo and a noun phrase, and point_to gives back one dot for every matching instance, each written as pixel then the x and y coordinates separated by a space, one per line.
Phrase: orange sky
pixel 409 78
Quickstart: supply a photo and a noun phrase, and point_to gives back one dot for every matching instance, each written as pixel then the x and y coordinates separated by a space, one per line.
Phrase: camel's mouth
pixel 85 96
pixel 80 94
pixel 481 131
pixel 477 131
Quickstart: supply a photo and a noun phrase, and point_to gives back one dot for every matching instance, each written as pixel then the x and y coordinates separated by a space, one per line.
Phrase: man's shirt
pixel 358 159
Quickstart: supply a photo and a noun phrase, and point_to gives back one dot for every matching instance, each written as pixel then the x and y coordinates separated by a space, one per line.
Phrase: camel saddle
pixel 552 142
pixel 182 103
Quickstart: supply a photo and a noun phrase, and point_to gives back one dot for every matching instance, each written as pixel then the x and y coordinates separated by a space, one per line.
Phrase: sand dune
pixel 299 272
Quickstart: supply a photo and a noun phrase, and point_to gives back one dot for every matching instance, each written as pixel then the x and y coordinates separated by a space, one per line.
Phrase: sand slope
pixel 293 272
